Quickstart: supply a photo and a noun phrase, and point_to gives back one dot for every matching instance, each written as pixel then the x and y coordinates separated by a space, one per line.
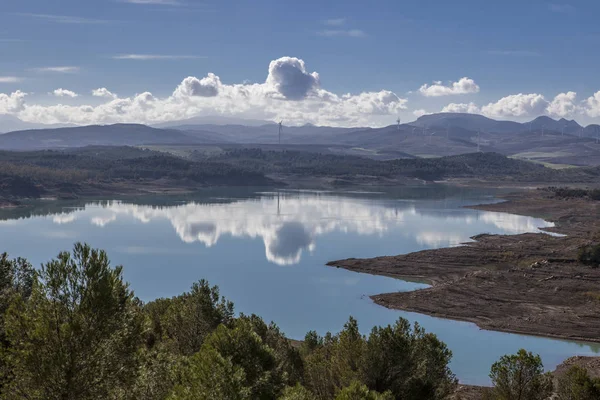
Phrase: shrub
pixel 590 255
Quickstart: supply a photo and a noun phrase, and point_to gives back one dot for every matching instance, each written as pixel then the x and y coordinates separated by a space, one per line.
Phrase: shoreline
pixel 526 284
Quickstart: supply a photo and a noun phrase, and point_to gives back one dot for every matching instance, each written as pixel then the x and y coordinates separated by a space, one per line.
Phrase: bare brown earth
pixel 529 283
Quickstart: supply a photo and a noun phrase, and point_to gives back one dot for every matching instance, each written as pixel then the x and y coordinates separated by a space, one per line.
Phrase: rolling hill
pixel 94 135
pixel 545 140
pixel 9 123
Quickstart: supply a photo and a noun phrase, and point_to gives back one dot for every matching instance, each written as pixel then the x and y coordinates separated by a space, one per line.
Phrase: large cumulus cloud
pixel 470 108
pixel 205 87
pixel 593 105
pixel 517 105
pixel 289 92
pixel 563 105
pixel 289 77
pixel 12 103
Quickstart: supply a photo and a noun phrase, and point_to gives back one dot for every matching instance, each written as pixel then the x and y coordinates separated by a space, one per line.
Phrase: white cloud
pixel 64 93
pixel 420 113
pixel 63 19
pixel 103 92
pixel 205 87
pixel 463 86
pixel 289 77
pixel 336 30
pixel 149 57
pixel 356 33
pixel 592 105
pixel 335 21
pixel 516 105
pixel 62 70
pixel 10 79
pixel 13 103
pixel 523 53
pixel 470 108
pixel 563 105
pixel 155 2
pixel 562 8
pixel 289 92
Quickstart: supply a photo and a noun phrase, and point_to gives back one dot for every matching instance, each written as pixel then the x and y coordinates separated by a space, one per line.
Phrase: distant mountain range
pixel 9 123
pixel 474 122
pixel 543 139
pixel 214 120
pixel 93 135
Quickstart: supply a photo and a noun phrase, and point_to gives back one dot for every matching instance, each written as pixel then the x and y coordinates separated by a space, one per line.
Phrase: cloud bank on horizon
pixel 289 92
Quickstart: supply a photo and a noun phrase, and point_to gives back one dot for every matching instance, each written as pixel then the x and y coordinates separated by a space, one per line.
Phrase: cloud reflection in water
pixel 291 224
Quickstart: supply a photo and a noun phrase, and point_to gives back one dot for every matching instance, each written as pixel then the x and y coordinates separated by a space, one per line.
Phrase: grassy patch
pixel 593 295
pixel 372 151
pixel 539 154
pixel 529 157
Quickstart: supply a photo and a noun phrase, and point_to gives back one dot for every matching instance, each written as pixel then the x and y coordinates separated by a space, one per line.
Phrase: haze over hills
pixel 9 123
pixel 99 135
pixel 543 139
pixel 213 120
pixel 475 122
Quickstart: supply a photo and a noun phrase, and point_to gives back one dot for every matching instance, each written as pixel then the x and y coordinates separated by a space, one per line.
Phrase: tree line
pixel 73 329
pixel 473 165
pixel 33 174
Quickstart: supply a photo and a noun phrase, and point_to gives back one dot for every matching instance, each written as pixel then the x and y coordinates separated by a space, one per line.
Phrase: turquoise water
pixel 267 252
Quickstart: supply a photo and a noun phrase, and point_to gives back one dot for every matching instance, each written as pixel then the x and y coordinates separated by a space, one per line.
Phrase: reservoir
pixel 267 250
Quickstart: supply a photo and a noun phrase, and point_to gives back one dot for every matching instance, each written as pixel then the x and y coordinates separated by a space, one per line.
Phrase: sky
pixel 336 62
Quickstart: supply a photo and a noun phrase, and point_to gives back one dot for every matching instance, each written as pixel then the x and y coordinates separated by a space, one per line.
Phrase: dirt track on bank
pixel 529 283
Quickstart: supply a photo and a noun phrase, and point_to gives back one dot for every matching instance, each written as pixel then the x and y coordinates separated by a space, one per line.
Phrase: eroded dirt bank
pixel 529 283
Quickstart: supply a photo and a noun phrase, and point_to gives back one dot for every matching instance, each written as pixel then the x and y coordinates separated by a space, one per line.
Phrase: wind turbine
pixel 543 130
pixel 431 136
pixel 563 131
pixel 478 140
pixel 398 121
pixel 280 129
pixel 413 131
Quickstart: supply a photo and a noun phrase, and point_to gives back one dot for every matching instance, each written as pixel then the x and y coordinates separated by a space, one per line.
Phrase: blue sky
pixel 130 47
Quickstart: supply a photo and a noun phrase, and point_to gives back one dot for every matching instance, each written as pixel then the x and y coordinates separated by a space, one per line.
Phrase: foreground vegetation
pixel 74 330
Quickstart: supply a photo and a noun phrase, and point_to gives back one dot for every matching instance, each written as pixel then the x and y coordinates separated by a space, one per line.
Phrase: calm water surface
pixel 267 251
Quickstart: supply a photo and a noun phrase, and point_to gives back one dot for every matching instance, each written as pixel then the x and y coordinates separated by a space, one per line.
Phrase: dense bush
pixel 520 376
pixel 576 384
pixel 570 193
pixel 590 255
pixel 405 361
